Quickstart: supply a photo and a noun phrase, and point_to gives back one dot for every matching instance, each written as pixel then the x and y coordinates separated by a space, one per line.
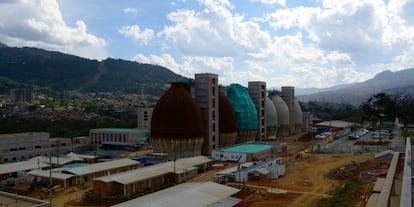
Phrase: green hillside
pixel 22 67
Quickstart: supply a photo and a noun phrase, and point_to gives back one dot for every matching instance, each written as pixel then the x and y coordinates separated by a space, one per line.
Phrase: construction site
pixel 310 179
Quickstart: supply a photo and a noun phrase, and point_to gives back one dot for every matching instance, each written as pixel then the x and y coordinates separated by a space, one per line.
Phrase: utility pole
pixel 50 180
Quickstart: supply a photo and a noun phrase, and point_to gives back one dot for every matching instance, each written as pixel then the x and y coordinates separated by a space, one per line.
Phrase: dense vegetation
pixel 385 107
pixel 381 106
pixel 63 127
pixel 333 111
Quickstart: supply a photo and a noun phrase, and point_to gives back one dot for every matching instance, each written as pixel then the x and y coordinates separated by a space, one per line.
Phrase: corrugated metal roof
pixel 102 166
pixel 262 171
pixel 46 173
pixel 21 166
pixel 55 160
pixel 336 124
pixel 80 156
pixel 201 194
pixel 233 169
pixel 155 170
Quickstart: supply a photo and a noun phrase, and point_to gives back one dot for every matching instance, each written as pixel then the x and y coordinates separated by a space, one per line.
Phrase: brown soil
pixel 306 178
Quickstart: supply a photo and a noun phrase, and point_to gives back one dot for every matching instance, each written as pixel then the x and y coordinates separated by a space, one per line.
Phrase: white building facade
pixel 272 168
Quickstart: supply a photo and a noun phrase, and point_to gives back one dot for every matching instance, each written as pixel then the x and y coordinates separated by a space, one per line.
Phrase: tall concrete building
pixel 257 92
pixel 144 116
pixel 206 92
pixel 21 95
pixel 288 95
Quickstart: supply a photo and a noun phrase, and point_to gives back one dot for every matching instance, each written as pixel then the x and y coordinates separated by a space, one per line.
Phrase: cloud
pixel 215 32
pixel 140 37
pixel 280 2
pixel 130 10
pixel 367 31
pixel 192 64
pixel 41 25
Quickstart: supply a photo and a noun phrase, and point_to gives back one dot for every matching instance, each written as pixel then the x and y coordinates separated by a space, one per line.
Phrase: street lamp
pixel 380 131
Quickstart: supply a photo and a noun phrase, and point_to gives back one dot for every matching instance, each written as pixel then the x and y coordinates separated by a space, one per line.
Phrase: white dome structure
pixel 272 119
pixel 282 115
pixel 298 117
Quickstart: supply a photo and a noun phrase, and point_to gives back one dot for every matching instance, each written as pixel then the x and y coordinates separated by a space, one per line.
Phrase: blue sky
pixel 312 43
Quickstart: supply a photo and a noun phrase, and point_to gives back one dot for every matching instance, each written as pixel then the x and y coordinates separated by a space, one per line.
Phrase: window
pixel 38 147
pixel 145 115
pixel 13 149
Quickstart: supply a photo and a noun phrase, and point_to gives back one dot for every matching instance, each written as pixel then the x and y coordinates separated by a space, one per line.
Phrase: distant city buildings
pixel 118 136
pixel 21 146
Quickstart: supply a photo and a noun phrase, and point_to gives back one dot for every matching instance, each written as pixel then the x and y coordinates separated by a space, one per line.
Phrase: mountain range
pixel 27 67
pixel 55 71
pixel 387 81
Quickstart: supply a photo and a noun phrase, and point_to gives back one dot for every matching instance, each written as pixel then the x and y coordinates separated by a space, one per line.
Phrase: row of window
pixel 118 138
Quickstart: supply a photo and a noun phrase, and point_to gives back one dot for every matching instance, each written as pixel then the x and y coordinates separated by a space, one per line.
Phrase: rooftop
pixel 144 173
pixel 125 130
pixel 201 194
pixel 21 166
pixel 247 148
pixel 256 164
pixel 101 166
pixel 336 124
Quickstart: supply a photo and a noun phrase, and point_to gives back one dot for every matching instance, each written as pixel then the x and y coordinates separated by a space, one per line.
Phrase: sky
pixel 301 43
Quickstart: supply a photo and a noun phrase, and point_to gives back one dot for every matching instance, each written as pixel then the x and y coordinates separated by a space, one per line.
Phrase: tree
pixel 378 105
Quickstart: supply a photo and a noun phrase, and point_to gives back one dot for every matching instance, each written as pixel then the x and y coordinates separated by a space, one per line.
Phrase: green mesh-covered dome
pixel 246 114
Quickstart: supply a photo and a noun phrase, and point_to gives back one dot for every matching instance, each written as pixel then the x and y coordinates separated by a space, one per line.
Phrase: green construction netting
pixel 243 105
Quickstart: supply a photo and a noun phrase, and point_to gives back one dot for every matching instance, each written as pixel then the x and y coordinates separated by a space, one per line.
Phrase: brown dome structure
pixel 227 120
pixel 176 124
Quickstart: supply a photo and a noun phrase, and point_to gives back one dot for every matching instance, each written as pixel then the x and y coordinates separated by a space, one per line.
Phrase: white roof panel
pixel 187 194
pixel 46 173
pixel 21 166
pixel 101 166
pixel 184 164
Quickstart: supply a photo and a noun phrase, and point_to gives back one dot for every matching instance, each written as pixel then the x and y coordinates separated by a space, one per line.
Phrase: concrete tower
pixel 257 92
pixel 206 92
pixel 144 116
pixel 288 95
